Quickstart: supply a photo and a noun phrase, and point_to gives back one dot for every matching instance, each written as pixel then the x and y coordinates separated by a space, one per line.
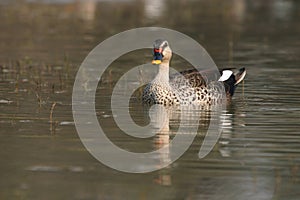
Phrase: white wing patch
pixel 225 75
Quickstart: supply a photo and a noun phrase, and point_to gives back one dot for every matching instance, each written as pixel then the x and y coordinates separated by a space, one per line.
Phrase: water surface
pixel 41 47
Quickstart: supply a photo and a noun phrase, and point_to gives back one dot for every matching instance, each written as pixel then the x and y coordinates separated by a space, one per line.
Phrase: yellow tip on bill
pixel 156 62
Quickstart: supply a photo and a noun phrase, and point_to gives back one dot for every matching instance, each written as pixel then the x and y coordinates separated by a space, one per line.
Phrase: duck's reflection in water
pixel 160 124
pixel 187 121
pixel 233 117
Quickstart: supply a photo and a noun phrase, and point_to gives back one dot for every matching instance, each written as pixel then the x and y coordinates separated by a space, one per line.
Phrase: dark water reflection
pixel 42 44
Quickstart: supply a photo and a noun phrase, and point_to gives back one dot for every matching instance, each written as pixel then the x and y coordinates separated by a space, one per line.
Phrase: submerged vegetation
pixel 35 87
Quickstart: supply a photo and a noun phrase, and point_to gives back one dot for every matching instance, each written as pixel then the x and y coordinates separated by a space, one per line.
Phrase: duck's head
pixel 161 52
pixel 231 78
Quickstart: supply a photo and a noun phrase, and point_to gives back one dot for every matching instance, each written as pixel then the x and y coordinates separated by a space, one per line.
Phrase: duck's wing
pixel 194 77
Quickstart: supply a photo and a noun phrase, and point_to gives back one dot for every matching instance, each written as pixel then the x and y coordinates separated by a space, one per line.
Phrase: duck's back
pixel 194 87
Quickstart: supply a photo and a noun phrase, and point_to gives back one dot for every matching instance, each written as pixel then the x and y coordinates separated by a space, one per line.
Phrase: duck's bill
pixel 156 62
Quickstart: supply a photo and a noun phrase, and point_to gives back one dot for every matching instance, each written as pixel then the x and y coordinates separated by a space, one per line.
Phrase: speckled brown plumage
pixel 188 87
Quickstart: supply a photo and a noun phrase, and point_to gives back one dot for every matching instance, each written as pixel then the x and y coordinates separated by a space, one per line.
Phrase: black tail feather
pixel 231 83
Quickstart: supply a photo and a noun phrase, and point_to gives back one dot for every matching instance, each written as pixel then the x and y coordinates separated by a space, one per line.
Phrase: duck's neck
pixel 163 73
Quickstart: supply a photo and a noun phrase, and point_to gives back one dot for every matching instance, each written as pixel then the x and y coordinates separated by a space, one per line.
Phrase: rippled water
pixel 41 47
